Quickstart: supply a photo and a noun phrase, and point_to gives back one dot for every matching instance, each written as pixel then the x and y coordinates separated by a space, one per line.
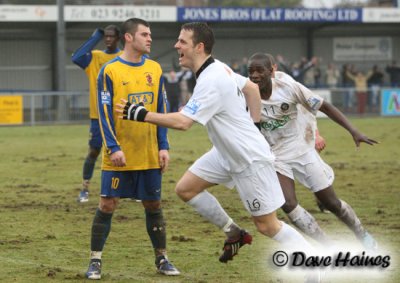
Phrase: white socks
pixel 292 239
pixel 349 217
pixel 307 224
pixel 209 207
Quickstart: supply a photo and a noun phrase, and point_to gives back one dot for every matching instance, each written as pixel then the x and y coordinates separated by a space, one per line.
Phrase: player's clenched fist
pixel 129 111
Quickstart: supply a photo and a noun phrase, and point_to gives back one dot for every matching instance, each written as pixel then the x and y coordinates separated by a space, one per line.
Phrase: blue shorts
pixel 140 184
pixel 95 139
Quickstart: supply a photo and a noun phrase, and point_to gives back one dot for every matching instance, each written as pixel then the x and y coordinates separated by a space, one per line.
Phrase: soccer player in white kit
pixel 240 155
pixel 285 128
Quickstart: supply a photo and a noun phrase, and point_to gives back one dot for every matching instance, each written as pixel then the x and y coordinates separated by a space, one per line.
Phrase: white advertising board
pixel 362 48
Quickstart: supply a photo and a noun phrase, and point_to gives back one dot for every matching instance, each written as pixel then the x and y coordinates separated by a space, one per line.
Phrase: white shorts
pixel 309 169
pixel 258 184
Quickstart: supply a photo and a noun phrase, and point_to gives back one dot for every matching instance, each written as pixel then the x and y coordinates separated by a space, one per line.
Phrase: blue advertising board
pixel 390 102
pixel 231 14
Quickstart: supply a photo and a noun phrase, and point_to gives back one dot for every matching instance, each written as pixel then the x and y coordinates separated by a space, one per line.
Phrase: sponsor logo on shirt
pixel 275 124
pixel 314 102
pixel 192 106
pixel 145 97
pixel 105 97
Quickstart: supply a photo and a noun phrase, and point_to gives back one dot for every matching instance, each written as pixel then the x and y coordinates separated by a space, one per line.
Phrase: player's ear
pixel 200 46
pixel 128 37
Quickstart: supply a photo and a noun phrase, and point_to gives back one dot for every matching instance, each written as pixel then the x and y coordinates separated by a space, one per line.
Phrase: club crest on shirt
pixel 192 106
pixel 284 107
pixel 149 79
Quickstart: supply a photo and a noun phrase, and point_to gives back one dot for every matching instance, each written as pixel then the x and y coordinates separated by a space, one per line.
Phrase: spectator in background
pixel 297 70
pixel 309 79
pixel 317 75
pixel 375 83
pixel 394 74
pixel 235 66
pixel 361 86
pixel 348 84
pixel 188 80
pixel 243 67
pixel 173 88
pixel 332 76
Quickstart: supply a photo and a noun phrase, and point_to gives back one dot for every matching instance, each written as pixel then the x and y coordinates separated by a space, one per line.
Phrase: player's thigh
pixel 95 139
pixel 209 168
pixel 288 189
pixel 140 184
pixel 190 185
pixel 286 179
pixel 311 171
pixel 259 188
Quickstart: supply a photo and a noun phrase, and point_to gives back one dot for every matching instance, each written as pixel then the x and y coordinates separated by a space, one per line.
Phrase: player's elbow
pixel 184 125
pixel 74 58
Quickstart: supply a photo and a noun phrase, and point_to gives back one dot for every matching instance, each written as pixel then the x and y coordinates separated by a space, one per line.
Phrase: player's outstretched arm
pixel 137 112
pixel 337 116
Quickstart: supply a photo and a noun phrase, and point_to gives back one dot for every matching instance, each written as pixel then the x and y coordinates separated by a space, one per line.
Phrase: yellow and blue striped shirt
pixel 139 141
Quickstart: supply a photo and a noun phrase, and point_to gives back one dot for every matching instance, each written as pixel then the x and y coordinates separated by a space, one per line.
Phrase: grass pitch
pixel 44 233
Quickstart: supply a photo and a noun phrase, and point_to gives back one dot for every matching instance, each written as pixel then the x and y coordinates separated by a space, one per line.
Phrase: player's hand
pixel 359 138
pixel 319 142
pixel 163 156
pixel 118 158
pixel 129 111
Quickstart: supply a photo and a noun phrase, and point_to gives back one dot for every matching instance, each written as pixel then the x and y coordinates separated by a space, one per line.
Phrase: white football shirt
pixel 283 124
pixel 219 104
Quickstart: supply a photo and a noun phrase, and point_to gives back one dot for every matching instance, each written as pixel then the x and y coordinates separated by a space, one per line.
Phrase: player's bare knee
pixel 268 229
pixel 108 205
pixel 183 192
pixel 269 226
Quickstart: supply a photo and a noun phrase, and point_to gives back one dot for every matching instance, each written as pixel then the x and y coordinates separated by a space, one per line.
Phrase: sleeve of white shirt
pixel 204 103
pixel 240 80
pixel 311 101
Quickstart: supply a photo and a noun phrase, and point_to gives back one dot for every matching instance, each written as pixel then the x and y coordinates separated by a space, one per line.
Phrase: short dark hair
pixel 131 26
pixel 268 59
pixel 201 33
pixel 115 29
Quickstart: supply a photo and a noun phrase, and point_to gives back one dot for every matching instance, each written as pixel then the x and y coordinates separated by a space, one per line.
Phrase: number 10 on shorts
pixel 114 183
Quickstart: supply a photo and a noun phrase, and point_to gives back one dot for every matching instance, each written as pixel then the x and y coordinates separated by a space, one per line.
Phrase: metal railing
pixel 53 107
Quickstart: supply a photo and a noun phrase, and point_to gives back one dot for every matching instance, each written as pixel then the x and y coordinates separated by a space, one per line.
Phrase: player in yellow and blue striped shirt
pixel 134 154
pixel 91 61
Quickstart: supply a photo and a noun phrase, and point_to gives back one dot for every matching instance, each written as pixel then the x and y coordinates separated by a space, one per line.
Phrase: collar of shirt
pixel 209 61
